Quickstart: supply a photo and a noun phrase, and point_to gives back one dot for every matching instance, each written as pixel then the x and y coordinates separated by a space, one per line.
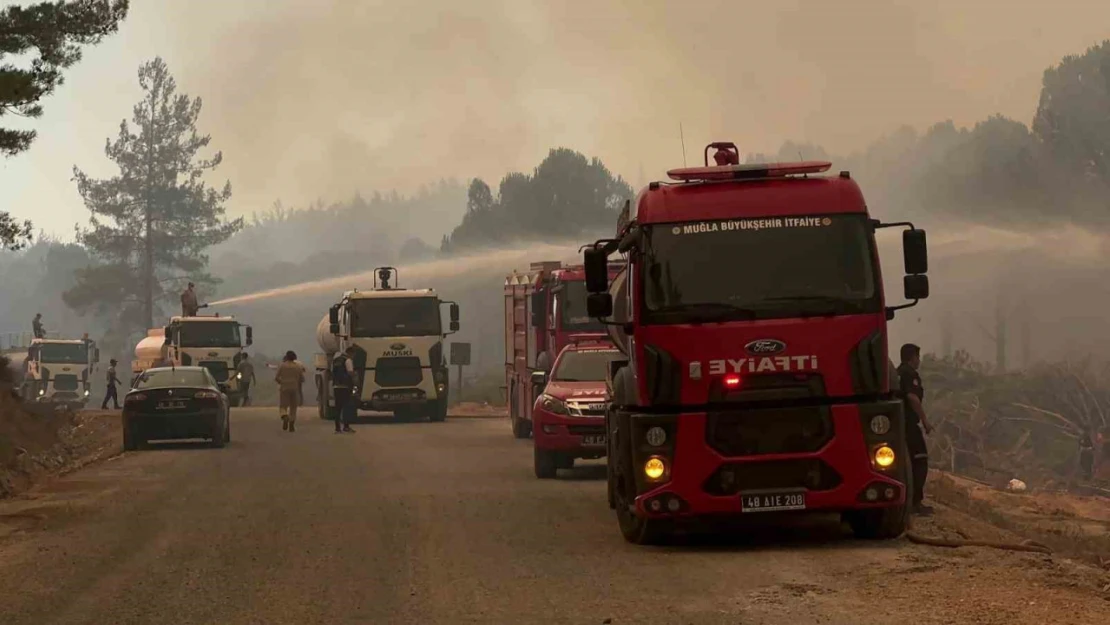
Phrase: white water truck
pixel 399 362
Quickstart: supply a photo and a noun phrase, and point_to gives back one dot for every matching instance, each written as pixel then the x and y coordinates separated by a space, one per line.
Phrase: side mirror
pixel 596 263
pixel 916 286
pixel 599 305
pixel 455 313
pixel 915 252
pixel 539 308
pixel 250 336
pixel 539 378
pixel 334 328
pixel 333 316
pixel 454 326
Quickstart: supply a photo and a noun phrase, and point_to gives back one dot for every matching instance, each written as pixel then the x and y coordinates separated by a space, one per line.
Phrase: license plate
pixel 593 439
pixel 170 405
pixel 772 501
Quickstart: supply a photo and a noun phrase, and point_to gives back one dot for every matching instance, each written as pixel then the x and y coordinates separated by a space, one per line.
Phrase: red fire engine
pixel 754 328
pixel 544 308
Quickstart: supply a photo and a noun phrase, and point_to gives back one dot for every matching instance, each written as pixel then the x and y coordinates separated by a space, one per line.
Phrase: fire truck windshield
pixel 68 353
pixel 572 299
pixel 584 366
pixel 395 316
pixel 209 334
pixel 760 268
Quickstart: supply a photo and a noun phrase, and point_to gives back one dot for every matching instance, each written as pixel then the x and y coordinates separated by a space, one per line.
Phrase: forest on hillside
pixel 1026 177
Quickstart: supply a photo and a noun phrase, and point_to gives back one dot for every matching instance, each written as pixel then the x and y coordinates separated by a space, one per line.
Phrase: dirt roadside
pixel 34 447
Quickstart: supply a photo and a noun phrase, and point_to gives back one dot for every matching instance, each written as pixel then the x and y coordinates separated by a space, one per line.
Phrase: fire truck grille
pixel 788 430
pixel 217 368
pixel 404 371
pixel 811 474
pixel 65 383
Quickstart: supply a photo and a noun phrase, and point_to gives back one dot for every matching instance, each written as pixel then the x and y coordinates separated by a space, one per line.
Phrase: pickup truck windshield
pixel 395 316
pixel 584 366
pixel 209 334
pixel 68 353
pixel 760 268
pixel 572 299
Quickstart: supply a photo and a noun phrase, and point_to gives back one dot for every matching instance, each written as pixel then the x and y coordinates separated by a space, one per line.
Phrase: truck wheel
pixel 521 428
pixel 438 413
pixel 564 461
pixel 883 523
pixel 635 529
pixel 545 463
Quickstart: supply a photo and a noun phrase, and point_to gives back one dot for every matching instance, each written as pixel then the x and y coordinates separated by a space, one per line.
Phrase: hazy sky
pixel 318 98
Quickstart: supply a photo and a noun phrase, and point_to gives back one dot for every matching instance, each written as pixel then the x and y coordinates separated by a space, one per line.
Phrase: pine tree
pixel 49 35
pixel 152 222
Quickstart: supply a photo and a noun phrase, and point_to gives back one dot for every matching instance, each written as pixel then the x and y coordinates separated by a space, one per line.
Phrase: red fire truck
pixel 753 323
pixel 544 307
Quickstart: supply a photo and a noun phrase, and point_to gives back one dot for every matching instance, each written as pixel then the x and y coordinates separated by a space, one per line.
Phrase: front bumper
pixel 566 434
pixel 839 474
pixel 149 426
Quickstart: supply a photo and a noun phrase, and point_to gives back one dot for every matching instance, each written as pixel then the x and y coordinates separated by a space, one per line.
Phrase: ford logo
pixel 213 354
pixel 397 346
pixel 764 347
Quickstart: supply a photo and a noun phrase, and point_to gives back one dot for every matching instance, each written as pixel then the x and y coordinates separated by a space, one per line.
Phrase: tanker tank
pixel 328 342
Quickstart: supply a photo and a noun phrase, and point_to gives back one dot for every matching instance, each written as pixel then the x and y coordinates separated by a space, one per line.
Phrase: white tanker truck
pixel 212 342
pixel 399 362
pixel 54 372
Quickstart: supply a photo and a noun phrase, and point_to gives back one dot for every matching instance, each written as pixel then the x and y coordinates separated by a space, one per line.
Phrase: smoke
pixel 311 100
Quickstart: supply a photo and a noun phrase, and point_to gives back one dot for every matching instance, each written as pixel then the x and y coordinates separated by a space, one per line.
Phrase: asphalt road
pixel 405 523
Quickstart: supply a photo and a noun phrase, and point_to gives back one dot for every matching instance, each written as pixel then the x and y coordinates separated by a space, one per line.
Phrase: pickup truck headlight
pixel 554 405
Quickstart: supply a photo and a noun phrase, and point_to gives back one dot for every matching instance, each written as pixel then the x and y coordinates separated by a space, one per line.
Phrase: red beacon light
pixel 728 167
pixel 732 381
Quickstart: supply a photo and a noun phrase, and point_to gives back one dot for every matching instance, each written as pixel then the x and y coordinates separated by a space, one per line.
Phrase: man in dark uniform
pixel 343 381
pixel 112 381
pixel 36 326
pixel 912 393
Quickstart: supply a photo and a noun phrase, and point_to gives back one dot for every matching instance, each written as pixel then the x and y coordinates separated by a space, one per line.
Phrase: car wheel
pixel 545 463
pixel 218 438
pixel 130 443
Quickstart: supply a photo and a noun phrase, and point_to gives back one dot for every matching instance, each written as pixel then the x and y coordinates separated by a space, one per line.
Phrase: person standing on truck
pixel 189 306
pixel 343 381
pixel 912 392
pixel 245 369
pixel 36 327
pixel 112 381
pixel 290 379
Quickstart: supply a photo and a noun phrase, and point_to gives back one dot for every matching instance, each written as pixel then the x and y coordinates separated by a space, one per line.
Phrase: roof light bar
pixel 749 172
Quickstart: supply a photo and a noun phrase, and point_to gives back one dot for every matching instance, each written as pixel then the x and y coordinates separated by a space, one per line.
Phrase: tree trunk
pixel 148 239
pixel 1000 335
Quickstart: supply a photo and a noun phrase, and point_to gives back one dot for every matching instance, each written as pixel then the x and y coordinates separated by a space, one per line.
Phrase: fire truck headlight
pixel 654 468
pixel 42 392
pixel 239 376
pixel 884 456
pixel 86 393
pixel 880 424
pixel 656 436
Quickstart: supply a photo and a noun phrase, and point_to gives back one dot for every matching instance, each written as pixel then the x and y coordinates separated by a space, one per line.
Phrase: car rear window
pixel 172 378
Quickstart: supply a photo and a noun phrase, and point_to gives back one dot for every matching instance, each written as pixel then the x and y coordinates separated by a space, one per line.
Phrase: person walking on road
pixel 112 382
pixel 245 369
pixel 189 306
pixel 909 383
pixel 290 378
pixel 343 381
pixel 36 327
